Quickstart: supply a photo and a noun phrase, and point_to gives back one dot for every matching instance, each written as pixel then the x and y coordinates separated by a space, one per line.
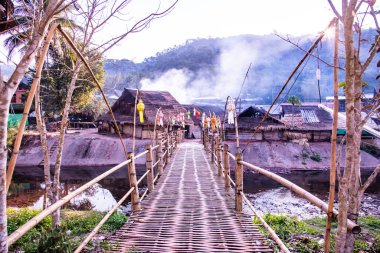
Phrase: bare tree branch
pixel 335 10
pixel 369 181
pixel 311 54
pixel 139 26
pixel 372 54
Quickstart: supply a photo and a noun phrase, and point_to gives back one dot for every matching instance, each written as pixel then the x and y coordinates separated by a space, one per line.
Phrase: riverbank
pixel 81 148
pixel 88 148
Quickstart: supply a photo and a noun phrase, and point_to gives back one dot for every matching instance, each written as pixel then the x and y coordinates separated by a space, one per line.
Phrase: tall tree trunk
pixel 354 199
pixel 41 126
pixel 5 101
pixel 6 92
pixel 348 19
pixel 61 140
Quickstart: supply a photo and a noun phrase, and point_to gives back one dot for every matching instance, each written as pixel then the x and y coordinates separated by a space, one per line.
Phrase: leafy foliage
pixel 56 241
pixel 56 77
pixel 304 236
pixel 294 100
pixel 64 239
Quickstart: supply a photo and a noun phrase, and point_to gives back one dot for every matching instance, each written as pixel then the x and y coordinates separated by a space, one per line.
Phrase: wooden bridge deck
pixel 189 211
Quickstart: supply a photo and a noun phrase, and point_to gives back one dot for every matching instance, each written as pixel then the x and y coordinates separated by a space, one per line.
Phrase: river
pixel 266 195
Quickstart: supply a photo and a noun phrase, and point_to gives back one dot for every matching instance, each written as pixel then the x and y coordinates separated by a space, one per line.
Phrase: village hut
pixel 306 121
pixel 124 108
pixel 272 129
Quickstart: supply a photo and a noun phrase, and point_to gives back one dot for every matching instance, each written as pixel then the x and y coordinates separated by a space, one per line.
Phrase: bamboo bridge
pixel 191 203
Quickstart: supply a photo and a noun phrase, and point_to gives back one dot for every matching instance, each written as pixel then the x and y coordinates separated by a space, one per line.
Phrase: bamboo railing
pixel 170 141
pixel 217 148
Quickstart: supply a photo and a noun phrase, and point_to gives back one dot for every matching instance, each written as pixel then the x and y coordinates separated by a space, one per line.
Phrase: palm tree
pixel 294 100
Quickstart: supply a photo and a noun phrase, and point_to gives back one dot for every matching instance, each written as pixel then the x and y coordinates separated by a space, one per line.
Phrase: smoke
pixel 227 75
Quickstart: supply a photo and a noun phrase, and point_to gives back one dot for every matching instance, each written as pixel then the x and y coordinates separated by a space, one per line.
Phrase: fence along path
pixel 189 211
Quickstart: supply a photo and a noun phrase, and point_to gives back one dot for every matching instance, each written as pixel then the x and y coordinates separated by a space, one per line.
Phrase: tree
pixel 95 15
pixel 294 100
pixel 41 20
pixel 350 186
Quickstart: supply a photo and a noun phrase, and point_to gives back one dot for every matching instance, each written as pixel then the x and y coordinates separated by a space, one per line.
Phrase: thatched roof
pixel 123 108
pixel 306 117
pixel 251 117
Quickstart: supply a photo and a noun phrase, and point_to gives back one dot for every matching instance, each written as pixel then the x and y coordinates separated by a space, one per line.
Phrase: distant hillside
pixel 216 68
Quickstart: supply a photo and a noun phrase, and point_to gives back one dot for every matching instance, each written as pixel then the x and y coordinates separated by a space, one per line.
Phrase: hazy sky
pixel 220 18
pixel 211 18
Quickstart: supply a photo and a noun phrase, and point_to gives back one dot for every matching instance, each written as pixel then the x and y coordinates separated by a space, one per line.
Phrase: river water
pixel 266 195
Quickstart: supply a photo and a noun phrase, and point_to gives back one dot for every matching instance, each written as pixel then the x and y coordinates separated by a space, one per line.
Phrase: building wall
pixel 280 135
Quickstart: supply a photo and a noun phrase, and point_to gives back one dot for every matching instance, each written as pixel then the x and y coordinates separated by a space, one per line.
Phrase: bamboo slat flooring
pixel 189 211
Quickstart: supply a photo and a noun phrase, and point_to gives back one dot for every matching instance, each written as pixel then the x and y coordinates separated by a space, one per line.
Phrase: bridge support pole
pixel 135 198
pixel 160 157
pixel 167 148
pixel 219 156
pixel 239 182
pixel 205 136
pixel 212 148
pixel 226 168
pixel 149 167
pixel 174 140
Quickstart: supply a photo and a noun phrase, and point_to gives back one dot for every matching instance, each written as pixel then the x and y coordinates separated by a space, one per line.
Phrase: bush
pixel 315 157
pixel 17 218
pixel 80 222
pixel 42 239
pixel 56 241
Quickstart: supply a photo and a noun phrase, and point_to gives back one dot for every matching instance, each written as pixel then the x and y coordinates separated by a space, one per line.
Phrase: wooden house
pixel 306 121
pixel 272 129
pixel 124 108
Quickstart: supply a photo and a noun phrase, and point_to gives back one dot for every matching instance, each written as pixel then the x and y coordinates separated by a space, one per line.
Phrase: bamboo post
pixel 333 144
pixel 160 157
pixel 212 149
pixel 206 141
pixel 149 167
pixel 167 148
pixel 226 168
pixel 219 156
pixel 238 181
pixel 28 104
pixel 135 198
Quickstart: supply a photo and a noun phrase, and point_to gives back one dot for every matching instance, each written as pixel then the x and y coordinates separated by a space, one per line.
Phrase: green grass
pixel 42 239
pixel 305 236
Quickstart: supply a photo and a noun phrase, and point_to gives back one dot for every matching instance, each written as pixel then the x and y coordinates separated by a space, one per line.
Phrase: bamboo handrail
pixel 155 147
pixel 140 155
pixel 144 194
pixel 232 181
pixel 142 177
pixel 155 179
pixel 232 156
pixel 38 218
pixel 100 224
pixel 156 163
pixel 267 227
pixel 303 193
pixel 35 220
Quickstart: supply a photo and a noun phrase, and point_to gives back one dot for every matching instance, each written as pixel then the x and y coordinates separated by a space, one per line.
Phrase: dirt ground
pixel 88 148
